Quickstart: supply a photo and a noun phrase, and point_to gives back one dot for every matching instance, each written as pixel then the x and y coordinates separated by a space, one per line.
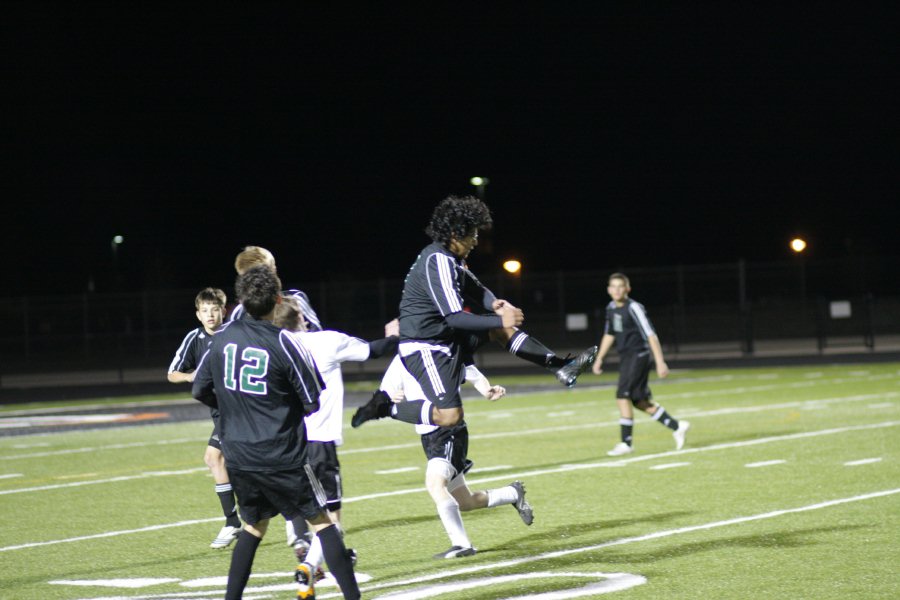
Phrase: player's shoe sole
pixel 226 537
pixel 378 407
pixel 568 373
pixel 620 449
pixel 680 433
pixel 304 576
pixel 456 552
pixel 521 505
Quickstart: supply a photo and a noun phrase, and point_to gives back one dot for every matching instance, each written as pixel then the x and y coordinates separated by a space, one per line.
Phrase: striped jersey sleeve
pixel 639 314
pixel 184 359
pixel 442 285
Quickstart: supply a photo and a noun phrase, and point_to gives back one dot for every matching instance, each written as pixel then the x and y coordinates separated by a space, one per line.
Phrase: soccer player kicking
pixel 324 427
pixel 210 305
pixel 628 326
pixel 432 318
pixel 263 382
pixel 446 450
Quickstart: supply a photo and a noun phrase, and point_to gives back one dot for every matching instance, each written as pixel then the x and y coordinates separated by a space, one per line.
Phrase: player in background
pixel 264 382
pixel 446 452
pixel 432 319
pixel 210 304
pixel 628 326
pixel 324 427
pixel 255 256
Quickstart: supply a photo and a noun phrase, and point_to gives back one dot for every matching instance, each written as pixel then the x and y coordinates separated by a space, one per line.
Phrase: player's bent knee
pixel 438 474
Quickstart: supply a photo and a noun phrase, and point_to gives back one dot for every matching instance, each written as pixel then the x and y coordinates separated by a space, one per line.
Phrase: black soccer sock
pixel 417 412
pixel 665 418
pixel 301 529
pixel 626 426
pixel 527 348
pixel 226 498
pixel 338 561
pixel 241 562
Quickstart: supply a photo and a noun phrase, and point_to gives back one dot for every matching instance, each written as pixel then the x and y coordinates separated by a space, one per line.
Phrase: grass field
pixel 788 487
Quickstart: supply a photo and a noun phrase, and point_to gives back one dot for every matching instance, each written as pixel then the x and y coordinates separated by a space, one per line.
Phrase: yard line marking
pixel 569 551
pixel 57 486
pixel 108 447
pixel 765 463
pixel 395 471
pixel 562 413
pixel 864 461
pixel 882 405
pixel 669 466
pixel 11 475
pixel 506 476
pixel 494 468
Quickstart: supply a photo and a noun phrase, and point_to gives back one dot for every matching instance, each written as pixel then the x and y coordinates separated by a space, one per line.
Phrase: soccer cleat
pixel 305 578
pixel 679 434
pixel 226 536
pixel 521 504
pixel 456 552
pixel 569 372
pixel 620 449
pixel 301 548
pixel 378 407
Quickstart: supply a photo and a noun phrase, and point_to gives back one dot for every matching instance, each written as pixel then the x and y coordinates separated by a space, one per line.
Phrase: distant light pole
pixel 479 183
pixel 116 242
pixel 799 246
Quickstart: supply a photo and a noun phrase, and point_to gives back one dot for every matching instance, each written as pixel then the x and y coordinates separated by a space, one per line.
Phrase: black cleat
pixel 569 372
pixel 456 552
pixel 378 407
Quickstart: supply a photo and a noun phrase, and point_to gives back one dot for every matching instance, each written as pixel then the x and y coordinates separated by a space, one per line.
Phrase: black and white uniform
pixel 187 357
pixel 312 319
pixel 433 322
pixel 631 327
pixel 324 429
pixel 264 382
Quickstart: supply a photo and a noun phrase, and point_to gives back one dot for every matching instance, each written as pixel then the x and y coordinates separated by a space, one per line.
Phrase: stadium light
pixel 798 245
pixel 479 183
pixel 512 266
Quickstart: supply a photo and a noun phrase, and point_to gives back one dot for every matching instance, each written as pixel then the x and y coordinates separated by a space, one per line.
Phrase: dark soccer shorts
pixel 322 457
pixel 634 369
pixel 264 495
pixel 438 375
pixel 214 436
pixel 450 444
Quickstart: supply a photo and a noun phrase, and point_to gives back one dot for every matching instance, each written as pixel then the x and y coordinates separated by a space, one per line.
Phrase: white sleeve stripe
pixel 637 311
pixel 180 354
pixel 433 376
pixel 449 290
pixel 425 415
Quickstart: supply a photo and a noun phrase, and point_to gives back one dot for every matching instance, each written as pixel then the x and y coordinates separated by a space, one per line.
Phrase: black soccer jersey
pixel 191 350
pixel 264 382
pixel 433 291
pixel 312 319
pixel 630 326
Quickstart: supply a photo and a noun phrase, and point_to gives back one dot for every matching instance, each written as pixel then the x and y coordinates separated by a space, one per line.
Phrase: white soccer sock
pixel 315 556
pixel 452 521
pixel 500 496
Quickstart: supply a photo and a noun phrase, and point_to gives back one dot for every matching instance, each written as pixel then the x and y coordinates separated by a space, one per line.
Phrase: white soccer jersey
pixel 330 349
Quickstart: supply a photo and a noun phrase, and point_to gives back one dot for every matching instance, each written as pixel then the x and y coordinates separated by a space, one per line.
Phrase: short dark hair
pixel 258 290
pixel 456 217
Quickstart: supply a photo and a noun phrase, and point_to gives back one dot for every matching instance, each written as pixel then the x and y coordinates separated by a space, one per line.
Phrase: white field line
pixel 669 466
pixel 43 488
pixel 504 477
pixel 500 434
pixel 506 564
pixel 765 463
pixel 864 461
pixel 84 449
pixel 395 471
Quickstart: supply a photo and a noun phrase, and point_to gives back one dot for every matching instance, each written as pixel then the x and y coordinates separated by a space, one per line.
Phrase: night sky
pixel 613 134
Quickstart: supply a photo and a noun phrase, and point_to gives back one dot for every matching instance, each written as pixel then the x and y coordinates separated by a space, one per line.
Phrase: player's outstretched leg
pixel 568 373
pixel 378 407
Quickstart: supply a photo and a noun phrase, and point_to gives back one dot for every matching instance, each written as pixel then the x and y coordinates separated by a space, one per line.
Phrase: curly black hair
pixel 456 217
pixel 258 290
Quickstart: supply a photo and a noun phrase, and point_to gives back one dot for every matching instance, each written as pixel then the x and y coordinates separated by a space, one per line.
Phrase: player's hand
pixel 495 392
pixel 511 316
pixel 597 367
pixel 392 328
pixel 662 369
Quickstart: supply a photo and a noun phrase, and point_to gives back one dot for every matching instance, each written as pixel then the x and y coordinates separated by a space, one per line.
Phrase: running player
pixel 263 381
pixel 210 304
pixel 628 326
